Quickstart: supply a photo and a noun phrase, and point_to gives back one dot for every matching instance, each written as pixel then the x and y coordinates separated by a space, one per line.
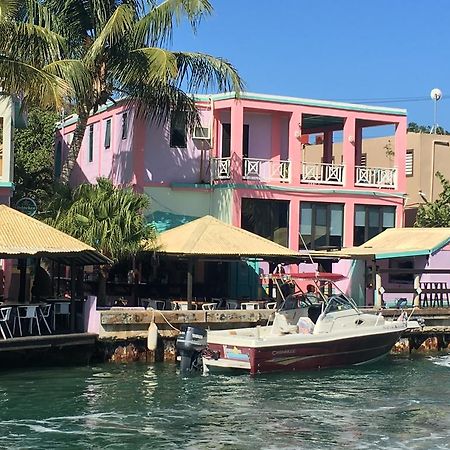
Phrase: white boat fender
pixel 152 335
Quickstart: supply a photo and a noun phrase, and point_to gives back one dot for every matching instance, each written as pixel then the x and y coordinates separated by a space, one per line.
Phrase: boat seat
pixel 281 326
pixel 314 311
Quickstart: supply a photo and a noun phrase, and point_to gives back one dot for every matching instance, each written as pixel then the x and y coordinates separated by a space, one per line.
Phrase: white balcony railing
pixel 322 173
pixel 267 170
pixel 220 168
pixel 376 177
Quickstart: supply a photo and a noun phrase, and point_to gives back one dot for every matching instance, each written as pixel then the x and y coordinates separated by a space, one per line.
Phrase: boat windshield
pixel 339 303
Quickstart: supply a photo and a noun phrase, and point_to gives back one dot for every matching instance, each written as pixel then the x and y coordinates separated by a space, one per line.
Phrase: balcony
pixel 377 177
pixel 322 173
pixel 220 168
pixel 266 170
pixel 253 169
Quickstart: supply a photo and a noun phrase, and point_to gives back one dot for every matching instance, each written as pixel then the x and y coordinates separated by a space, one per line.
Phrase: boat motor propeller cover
pixel 190 344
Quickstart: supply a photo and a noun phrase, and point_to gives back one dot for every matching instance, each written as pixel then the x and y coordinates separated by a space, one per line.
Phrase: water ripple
pixel 399 403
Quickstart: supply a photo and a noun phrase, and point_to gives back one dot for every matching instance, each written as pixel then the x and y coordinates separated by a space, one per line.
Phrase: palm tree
pixel 108 218
pixel 92 51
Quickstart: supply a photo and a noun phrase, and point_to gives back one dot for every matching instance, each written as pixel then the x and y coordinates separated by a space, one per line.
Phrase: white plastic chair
pixel 155 304
pixel 30 313
pixel 60 309
pixel 45 314
pixel 5 314
pixel 249 305
pixel 209 306
pixel 232 304
pixel 271 305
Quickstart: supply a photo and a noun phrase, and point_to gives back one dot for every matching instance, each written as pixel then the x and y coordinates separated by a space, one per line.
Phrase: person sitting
pixel 311 294
pixel 42 284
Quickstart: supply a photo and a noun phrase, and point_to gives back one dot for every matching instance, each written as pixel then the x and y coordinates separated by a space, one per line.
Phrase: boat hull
pixel 305 355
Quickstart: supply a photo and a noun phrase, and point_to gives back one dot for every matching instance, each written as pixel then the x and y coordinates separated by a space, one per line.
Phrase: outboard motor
pixel 190 344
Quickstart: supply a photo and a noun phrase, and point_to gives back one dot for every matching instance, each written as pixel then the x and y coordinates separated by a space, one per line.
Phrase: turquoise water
pixel 397 403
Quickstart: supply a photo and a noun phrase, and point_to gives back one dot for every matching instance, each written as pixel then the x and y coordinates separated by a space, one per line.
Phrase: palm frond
pixel 34 85
pixel 202 72
pixel 75 73
pixel 156 102
pixel 16 40
pixel 9 9
pixel 119 25
pixel 156 26
pixel 151 63
pixel 107 218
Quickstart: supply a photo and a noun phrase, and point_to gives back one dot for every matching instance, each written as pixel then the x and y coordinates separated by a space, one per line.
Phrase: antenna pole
pixel 306 248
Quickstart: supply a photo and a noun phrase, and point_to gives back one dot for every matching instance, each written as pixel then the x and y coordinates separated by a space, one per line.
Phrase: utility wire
pixel 389 100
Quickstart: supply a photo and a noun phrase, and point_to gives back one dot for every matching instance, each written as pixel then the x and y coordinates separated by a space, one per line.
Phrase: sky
pixel 383 52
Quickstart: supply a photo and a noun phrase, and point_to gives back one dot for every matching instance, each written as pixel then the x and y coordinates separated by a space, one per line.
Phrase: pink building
pixel 248 165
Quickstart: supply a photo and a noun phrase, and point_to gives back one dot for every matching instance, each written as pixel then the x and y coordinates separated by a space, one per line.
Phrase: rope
pixel 162 315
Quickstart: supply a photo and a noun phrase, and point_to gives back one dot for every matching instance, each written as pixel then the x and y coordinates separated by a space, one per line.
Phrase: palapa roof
pixel 21 236
pixel 211 238
pixel 395 243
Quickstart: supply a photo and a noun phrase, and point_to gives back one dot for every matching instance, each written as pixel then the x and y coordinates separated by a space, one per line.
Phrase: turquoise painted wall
pixel 170 208
pixel 244 280
pixel 222 204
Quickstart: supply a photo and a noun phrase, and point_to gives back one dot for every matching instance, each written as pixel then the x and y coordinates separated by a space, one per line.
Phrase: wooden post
pixel 416 298
pixel 53 278
pixel 72 297
pixel 190 272
pixel 22 264
pixel 58 280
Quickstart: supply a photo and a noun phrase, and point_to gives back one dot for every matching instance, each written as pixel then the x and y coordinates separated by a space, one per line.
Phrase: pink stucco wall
pixel 145 158
pixel 115 162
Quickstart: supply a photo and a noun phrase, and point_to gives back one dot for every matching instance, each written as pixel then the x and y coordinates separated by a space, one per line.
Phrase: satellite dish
pixel 436 94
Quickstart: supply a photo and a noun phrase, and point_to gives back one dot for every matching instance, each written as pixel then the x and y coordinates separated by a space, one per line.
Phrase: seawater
pixel 397 403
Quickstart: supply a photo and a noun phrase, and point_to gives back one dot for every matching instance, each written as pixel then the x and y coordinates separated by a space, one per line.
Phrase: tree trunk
pixel 74 148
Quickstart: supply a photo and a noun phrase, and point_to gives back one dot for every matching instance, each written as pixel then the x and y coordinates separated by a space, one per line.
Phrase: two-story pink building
pixel 246 165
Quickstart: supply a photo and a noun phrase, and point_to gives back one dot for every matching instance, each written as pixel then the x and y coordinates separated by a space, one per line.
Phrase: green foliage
pixel 436 214
pixel 413 127
pixel 88 52
pixel 34 158
pixel 106 217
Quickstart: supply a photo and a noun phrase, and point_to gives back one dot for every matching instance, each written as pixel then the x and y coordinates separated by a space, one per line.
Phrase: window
pixel 108 133
pixel 124 125
pixel 178 130
pixel 58 159
pixel 321 225
pixel 91 143
pixel 226 140
pixel 372 220
pixel 409 163
pixel 267 218
pixel 405 274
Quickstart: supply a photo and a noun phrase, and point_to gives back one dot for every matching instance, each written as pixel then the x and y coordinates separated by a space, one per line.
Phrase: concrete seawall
pixel 123 331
